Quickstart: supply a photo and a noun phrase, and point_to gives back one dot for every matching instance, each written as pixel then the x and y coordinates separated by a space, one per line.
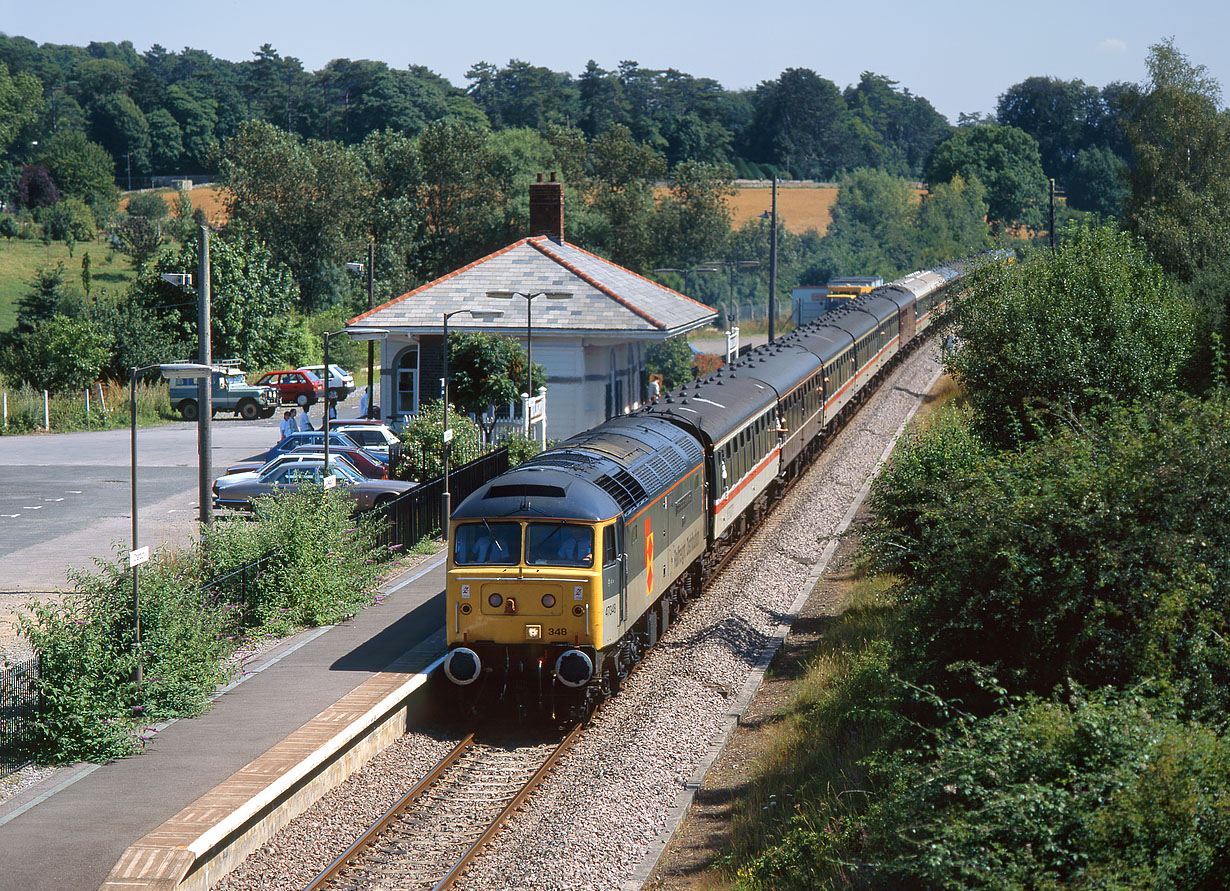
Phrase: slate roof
pixel 606 297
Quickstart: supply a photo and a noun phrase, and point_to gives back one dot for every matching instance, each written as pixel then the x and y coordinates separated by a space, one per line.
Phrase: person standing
pixel 363 404
pixel 287 426
pixel 305 423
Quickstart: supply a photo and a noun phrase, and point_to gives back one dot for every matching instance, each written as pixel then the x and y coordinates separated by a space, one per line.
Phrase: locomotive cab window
pixel 496 544
pixel 609 552
pixel 558 544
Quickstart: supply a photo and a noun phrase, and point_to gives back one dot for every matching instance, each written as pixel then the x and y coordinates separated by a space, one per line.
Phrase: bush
pixel 1111 791
pixel 1100 555
pixel 423 445
pixel 520 448
pixel 1045 340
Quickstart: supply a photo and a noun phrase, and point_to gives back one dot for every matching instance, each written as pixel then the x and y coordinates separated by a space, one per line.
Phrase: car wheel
pixel 249 410
pixel 188 409
pixel 302 399
pixel 268 413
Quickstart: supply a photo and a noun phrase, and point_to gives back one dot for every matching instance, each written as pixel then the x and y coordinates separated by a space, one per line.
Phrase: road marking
pixel 74 491
pixel 53 499
pixel 35 507
pixel 10 516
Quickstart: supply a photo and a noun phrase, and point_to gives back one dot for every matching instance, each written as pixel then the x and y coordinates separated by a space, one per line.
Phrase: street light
pixel 686 273
pixel 135 559
pixel 446 500
pixel 369 334
pixel 529 325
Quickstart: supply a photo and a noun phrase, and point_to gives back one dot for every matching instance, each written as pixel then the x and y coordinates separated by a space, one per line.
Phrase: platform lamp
pixel 136 557
pixel 529 325
pixel 360 334
pixel 446 499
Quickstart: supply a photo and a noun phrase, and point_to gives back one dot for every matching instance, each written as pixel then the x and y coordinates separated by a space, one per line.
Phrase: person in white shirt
pixel 287 426
pixel 305 423
pixel 363 404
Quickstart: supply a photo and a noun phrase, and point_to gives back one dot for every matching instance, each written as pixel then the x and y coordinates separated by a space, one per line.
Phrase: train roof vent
pixel 623 487
pixel 564 459
pixel 524 490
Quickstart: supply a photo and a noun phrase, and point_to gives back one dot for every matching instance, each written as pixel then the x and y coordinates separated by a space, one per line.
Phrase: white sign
pixel 448 435
pixel 137 557
pixel 330 481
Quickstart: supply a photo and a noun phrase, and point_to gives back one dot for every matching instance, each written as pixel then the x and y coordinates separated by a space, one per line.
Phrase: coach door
pixel 908 321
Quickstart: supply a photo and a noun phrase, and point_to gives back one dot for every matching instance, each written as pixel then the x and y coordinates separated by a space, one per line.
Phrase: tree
pixel 35 187
pixel 617 186
pixel 252 299
pixel 45 298
pixel 21 98
pixel 907 126
pixel 672 359
pixel 872 230
pixel 166 140
pixel 121 128
pixel 81 168
pixel 1045 340
pixel 795 124
pixel 1180 181
pixel 951 223
pixel 1006 161
pixel 1098 182
pixel 149 205
pixel 58 354
pixel 486 370
pixel 137 237
pixel 692 222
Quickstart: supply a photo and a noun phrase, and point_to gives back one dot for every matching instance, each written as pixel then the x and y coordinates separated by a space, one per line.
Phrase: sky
pixel 960 55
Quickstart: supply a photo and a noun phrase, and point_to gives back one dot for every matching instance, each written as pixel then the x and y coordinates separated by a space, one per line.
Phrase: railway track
pixel 434 832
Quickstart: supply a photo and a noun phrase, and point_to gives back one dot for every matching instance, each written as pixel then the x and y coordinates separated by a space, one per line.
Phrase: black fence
pixel 416 514
pixel 18 706
pixel 237 586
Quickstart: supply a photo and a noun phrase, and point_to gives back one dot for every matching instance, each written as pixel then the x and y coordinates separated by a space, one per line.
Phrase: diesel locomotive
pixel 563 570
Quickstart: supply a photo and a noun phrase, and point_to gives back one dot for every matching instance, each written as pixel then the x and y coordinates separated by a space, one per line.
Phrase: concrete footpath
pixel 68 831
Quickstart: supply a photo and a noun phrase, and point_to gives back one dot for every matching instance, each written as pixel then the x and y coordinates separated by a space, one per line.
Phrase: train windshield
pixel 487 543
pixel 555 544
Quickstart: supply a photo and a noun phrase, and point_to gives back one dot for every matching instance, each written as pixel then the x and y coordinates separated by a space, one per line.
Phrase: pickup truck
pixel 231 392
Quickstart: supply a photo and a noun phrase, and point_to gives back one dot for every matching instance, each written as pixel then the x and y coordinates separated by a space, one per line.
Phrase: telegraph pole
pixel 205 385
pixel 773 265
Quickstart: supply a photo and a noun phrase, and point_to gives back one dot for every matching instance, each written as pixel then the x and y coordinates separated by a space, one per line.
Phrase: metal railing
pixel 416 515
pixel 18 706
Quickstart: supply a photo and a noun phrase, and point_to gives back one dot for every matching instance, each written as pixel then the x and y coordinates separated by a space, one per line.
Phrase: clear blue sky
pixel 959 54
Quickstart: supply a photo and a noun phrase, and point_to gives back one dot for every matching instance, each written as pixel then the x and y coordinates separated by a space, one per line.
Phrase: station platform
pixel 72 830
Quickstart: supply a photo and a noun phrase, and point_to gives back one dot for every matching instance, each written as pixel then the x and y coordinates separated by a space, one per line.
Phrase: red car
pixel 298 387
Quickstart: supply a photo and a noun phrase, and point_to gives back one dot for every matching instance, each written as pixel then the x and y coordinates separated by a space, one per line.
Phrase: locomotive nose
pixel 462 666
pixel 574 668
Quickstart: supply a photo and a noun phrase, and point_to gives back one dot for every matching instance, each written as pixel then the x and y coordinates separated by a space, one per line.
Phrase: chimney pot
pixel 547 209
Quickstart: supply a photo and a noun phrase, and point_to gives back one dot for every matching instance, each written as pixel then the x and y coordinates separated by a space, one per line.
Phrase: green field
pixel 19 260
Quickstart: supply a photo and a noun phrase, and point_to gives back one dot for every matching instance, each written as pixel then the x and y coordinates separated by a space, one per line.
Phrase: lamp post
pixel 529 325
pixel 368 334
pixel 135 559
pixel 686 273
pixel 446 500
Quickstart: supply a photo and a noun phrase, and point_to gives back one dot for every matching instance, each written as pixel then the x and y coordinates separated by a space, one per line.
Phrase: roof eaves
pixel 649 280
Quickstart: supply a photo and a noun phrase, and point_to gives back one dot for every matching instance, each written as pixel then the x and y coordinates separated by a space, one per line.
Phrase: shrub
pixel 423 446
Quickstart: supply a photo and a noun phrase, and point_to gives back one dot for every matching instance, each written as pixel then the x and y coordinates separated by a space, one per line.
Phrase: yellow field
pixel 208 197
pixel 800 206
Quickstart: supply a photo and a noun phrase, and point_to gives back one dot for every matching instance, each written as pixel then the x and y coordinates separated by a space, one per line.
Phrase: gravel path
pixel 596 820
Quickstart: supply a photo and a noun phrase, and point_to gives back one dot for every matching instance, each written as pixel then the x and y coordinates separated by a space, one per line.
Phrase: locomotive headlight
pixel 533 632
pixel 495 600
pixel 465 609
pixel 548 600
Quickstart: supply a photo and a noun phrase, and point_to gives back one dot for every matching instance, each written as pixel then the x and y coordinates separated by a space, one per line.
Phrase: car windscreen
pixel 487 544
pixel 311 376
pixel 557 544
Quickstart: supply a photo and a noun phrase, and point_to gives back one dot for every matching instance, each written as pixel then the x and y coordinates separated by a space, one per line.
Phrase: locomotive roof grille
pixel 623 487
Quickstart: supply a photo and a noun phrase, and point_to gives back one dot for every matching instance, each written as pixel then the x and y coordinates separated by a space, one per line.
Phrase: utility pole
pixel 205 385
pixel 773 265
pixel 1052 214
pixel 371 345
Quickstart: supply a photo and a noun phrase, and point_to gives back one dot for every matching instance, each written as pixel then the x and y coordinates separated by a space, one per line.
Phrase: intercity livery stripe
pixel 764 462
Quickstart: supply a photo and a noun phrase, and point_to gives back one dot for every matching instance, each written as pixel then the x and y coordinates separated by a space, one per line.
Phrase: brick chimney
pixel 547 209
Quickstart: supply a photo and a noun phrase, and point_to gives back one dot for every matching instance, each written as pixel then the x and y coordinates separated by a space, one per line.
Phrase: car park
pixel 294 387
pixel 238 491
pixel 372 436
pixel 340 381
pixel 254 469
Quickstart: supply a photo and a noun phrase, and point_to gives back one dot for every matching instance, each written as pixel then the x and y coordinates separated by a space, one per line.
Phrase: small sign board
pixel 137 557
pixel 330 481
pixel 448 435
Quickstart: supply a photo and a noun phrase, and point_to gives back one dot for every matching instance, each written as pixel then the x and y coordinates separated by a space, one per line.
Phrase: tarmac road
pixel 66 499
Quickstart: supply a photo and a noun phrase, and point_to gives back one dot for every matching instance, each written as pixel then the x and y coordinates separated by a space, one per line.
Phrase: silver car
pixel 239 490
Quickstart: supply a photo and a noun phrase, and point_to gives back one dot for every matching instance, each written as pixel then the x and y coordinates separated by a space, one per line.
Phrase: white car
pixel 373 437
pixel 340 383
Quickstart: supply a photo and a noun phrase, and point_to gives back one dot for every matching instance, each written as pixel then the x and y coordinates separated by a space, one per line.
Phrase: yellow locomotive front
pixel 525 594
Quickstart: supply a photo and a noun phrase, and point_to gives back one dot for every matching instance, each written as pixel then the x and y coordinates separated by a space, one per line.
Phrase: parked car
pixel 239 490
pixel 373 436
pixel 314 438
pixel 254 469
pixel 340 383
pixel 366 463
pixel 297 387
pixel 231 392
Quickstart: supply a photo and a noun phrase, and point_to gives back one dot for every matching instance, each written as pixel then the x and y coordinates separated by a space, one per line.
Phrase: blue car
pixel 316 438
